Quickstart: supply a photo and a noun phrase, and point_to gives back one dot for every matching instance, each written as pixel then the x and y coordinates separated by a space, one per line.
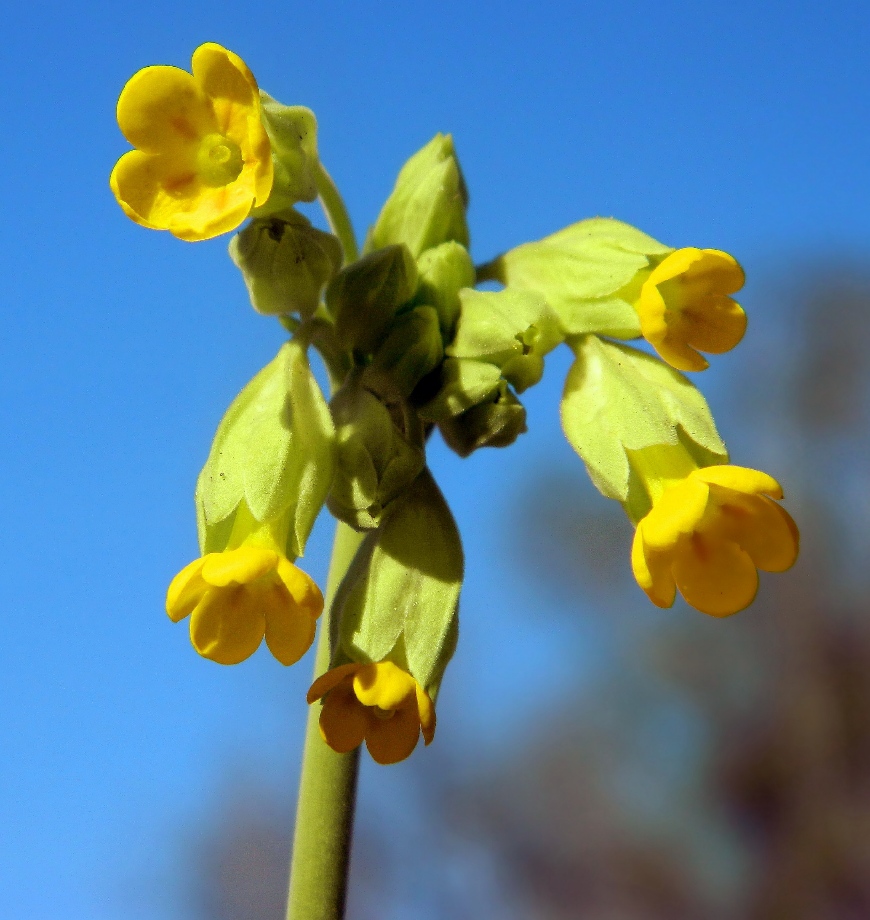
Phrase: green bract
pixel 273 450
pixel 590 273
pixel 364 296
pixel 400 597
pixel 285 262
pixel 617 400
pixel 427 205
pixel 292 131
pixel 379 453
pixel 510 329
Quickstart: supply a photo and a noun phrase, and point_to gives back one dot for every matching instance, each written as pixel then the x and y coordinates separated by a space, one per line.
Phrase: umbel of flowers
pixel 411 345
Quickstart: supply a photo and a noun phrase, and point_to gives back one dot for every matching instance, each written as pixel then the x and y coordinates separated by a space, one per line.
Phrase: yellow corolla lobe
pixel 202 158
pixel 684 306
pixel 380 704
pixel 237 597
pixel 709 534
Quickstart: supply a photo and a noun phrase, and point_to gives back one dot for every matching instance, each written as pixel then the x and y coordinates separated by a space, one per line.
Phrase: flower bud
pixel 411 350
pixel 364 296
pixel 376 458
pixel 427 205
pixel 444 271
pixel 511 329
pixel 463 383
pixel 286 263
pixel 292 131
pixel 273 453
pixel 497 422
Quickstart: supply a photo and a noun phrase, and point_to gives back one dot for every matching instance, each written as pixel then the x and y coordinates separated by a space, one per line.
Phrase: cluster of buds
pixel 410 345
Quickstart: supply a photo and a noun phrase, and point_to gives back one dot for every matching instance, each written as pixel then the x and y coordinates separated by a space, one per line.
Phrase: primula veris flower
pixel 236 597
pixel 708 534
pixel 684 306
pixel 203 157
pixel 377 703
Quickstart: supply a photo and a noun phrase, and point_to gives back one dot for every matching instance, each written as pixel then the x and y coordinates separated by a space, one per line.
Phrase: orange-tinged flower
pixel 203 157
pixel 708 534
pixel 236 597
pixel 377 703
pixel 684 306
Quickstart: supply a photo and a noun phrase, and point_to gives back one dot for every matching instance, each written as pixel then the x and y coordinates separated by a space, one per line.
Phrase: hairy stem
pixel 336 213
pixel 327 788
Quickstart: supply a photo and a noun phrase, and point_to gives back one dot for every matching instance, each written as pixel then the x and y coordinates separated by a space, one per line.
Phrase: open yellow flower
pixel 203 157
pixel 684 306
pixel 708 534
pixel 236 597
pixel 377 703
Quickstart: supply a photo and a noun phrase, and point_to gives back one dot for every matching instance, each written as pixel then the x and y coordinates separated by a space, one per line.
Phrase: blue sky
pixel 741 127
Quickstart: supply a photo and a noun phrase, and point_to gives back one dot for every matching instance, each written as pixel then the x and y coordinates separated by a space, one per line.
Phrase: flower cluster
pixel 412 345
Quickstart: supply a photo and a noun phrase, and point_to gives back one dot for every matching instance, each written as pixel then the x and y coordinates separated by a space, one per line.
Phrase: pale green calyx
pixel 617 401
pixel 274 451
pixel 511 329
pixel 365 295
pixel 412 349
pixel 590 274
pixel 400 597
pixel 292 131
pixel 427 205
pixel 286 263
pixel 444 271
pixel 495 422
pixel 379 453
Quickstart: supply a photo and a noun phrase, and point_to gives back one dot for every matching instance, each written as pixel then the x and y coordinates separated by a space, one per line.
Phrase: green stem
pixel 336 213
pixel 327 788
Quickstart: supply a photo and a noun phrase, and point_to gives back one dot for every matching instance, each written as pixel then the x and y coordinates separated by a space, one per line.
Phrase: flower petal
pixel 289 629
pixel 153 188
pixel 214 211
pixel 715 324
pixel 763 529
pixel 330 679
pixel 226 627
pixel 302 587
pixel 343 720
pixel 739 478
pixel 222 75
pixel 676 514
pixel 391 740
pixel 238 566
pixel 426 712
pixel 652 571
pixel 715 576
pixel 384 685
pixel 162 108
pixel 185 591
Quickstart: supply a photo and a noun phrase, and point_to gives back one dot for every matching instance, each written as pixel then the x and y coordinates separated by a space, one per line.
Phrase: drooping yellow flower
pixel 203 157
pixel 684 306
pixel 236 597
pixel 377 703
pixel 708 534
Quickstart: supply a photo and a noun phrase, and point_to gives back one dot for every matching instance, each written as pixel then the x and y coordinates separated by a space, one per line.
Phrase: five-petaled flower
pixel 708 534
pixel 379 703
pixel 236 597
pixel 684 306
pixel 203 157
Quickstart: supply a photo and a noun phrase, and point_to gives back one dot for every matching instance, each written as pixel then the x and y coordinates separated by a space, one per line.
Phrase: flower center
pixel 383 714
pixel 218 160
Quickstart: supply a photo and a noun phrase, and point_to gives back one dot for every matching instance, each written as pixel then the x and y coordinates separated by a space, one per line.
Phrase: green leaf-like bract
pixel 273 450
pixel 619 399
pixel 585 273
pixel 404 585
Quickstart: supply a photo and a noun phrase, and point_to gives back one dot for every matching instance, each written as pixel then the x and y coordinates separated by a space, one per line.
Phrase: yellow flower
pixel 379 703
pixel 236 597
pixel 203 157
pixel 684 306
pixel 708 534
